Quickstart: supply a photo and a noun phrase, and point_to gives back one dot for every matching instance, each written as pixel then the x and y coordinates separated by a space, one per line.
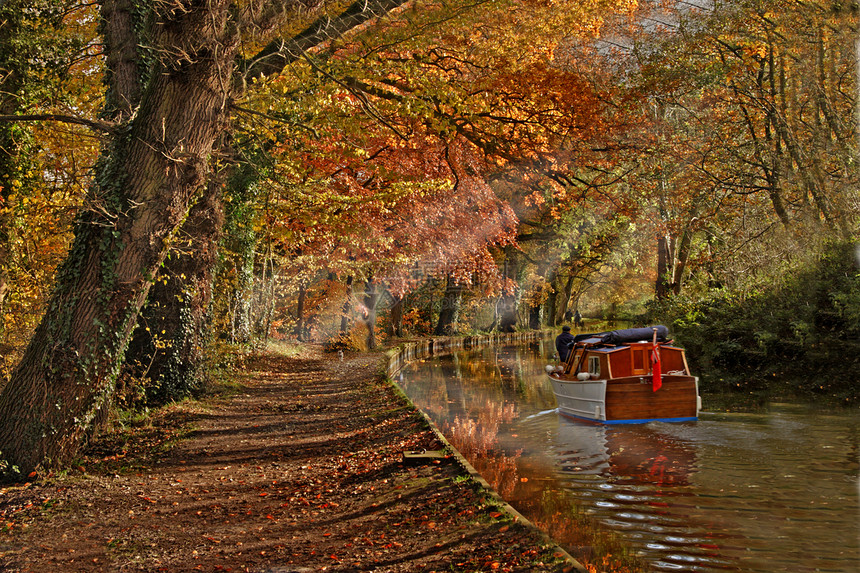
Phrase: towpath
pixel 301 470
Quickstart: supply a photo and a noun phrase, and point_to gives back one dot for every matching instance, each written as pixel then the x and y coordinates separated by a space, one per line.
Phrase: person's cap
pixel 565 328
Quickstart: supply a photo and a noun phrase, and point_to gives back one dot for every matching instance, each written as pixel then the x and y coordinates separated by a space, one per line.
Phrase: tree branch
pixel 102 126
pixel 279 53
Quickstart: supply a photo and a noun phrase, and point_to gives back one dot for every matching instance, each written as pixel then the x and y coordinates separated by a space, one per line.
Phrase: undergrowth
pixel 799 339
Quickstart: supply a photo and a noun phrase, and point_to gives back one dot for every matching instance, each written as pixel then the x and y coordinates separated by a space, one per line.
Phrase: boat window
pixel 594 365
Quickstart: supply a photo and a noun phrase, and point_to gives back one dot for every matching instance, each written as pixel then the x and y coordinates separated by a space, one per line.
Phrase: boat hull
pixel 628 400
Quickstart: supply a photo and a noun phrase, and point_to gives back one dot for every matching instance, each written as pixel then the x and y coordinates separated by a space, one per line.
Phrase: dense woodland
pixel 180 179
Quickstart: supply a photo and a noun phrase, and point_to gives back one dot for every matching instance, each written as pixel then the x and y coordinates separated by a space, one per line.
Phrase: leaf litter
pixel 300 471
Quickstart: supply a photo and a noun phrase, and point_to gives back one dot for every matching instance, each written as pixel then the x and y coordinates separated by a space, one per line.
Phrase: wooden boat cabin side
pixel 632 359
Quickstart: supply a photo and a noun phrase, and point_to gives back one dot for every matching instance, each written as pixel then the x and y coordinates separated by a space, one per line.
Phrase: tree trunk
pixel 681 259
pixel 123 56
pixel 167 347
pixel 550 307
pixel 244 294
pixel 371 297
pixel 565 299
pixel 509 301
pixel 299 330
pixel 143 188
pixel 662 287
pixel 346 309
pixel 450 311
pixel 266 298
pixel 535 315
pixel 508 312
pixel 396 328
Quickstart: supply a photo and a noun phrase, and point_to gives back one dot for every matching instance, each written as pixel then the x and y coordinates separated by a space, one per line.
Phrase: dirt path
pixel 301 471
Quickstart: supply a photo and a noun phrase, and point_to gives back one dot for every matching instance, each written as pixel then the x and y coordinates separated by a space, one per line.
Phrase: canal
pixel 762 492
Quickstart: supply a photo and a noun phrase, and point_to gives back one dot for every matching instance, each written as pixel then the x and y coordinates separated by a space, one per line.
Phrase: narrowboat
pixel 628 376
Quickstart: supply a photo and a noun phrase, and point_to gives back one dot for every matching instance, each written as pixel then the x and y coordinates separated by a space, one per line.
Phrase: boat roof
pixel 608 349
pixel 618 337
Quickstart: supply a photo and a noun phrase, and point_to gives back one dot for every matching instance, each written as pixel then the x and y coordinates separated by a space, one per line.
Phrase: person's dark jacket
pixel 563 344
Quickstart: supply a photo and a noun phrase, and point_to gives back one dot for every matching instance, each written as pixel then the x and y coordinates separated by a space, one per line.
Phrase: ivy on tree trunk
pixel 145 180
pixel 167 347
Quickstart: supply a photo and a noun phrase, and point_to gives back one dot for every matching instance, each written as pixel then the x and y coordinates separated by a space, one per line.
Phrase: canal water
pixel 774 491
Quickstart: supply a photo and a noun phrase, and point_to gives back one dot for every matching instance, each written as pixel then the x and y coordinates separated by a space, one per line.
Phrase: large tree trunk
pixel 143 189
pixel 167 347
pixel 243 296
pixel 240 247
pixel 507 308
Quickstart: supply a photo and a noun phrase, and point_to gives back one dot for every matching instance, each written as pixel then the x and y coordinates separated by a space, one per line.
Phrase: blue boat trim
pixel 644 420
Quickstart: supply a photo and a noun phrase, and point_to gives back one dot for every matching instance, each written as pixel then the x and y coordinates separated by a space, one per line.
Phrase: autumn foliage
pixel 406 168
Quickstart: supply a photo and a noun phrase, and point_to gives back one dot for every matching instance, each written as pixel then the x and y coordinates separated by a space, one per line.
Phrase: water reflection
pixel 742 492
pixel 642 454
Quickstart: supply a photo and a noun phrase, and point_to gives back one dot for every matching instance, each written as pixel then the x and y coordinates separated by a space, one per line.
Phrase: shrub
pixel 804 333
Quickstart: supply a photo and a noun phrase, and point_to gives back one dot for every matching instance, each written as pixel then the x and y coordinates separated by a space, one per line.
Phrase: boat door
pixel 639 355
